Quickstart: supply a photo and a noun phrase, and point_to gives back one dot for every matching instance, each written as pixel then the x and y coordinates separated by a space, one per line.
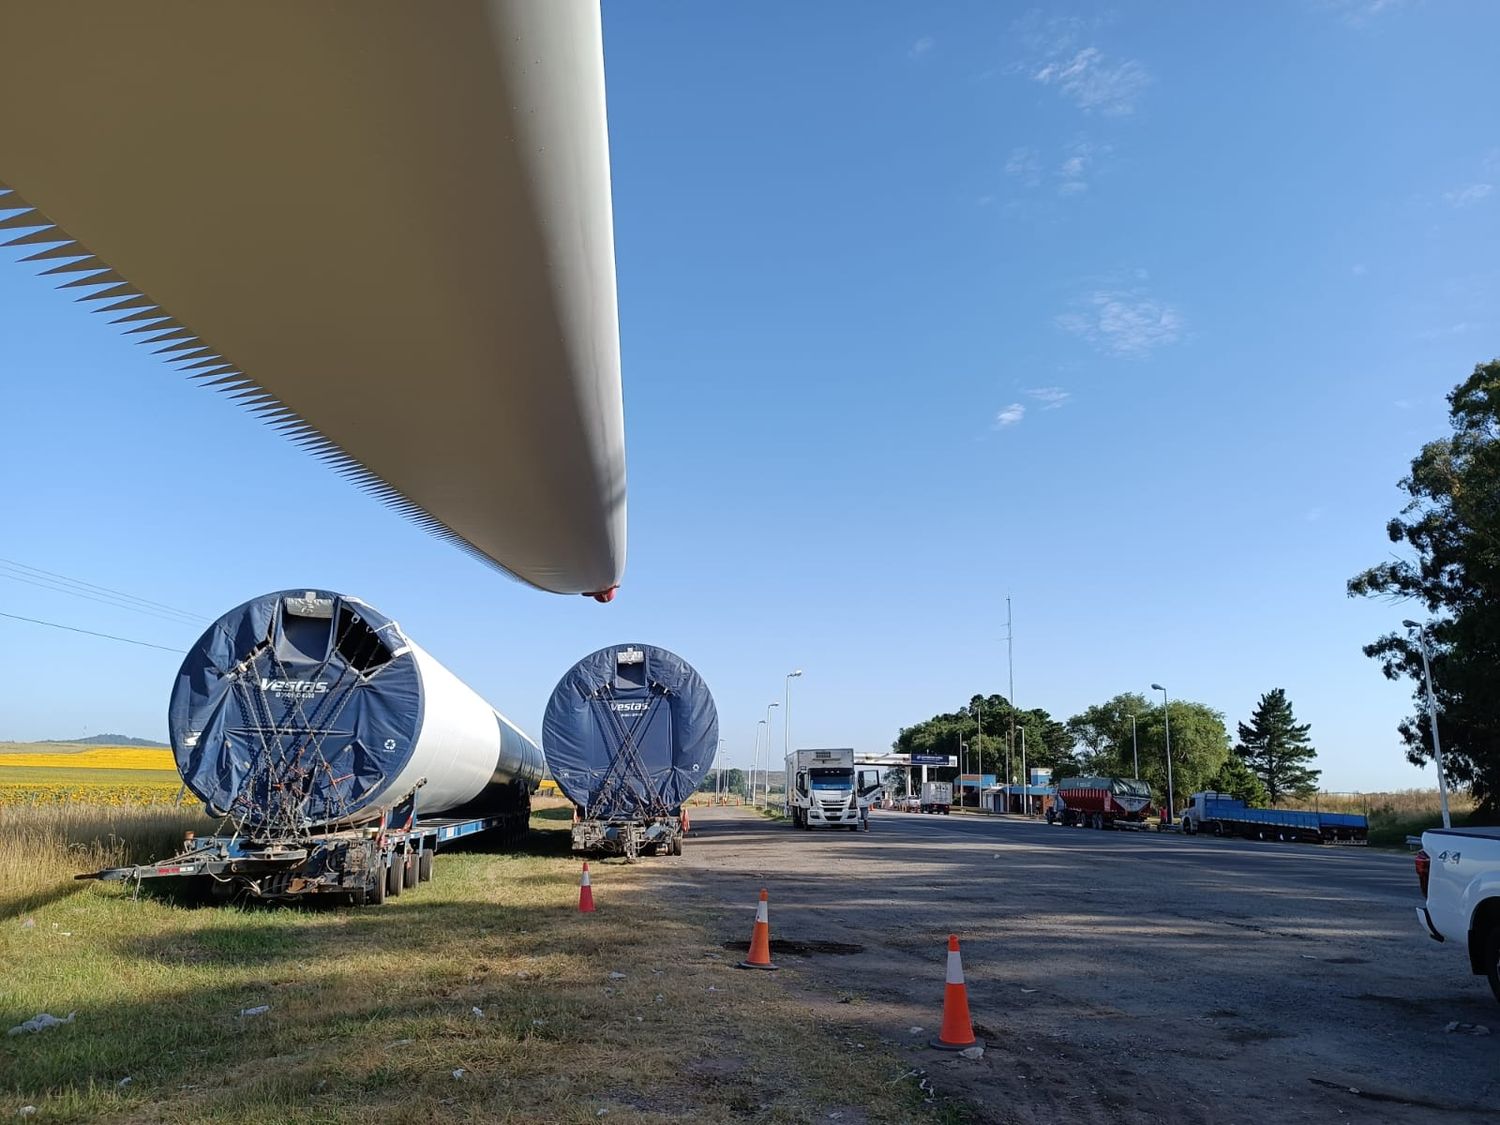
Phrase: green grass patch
pixel 372 1011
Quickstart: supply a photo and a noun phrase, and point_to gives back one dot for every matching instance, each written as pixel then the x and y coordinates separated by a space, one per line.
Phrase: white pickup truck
pixel 1459 870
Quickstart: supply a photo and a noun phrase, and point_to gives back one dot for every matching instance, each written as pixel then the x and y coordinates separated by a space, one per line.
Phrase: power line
pixel 89 632
pixel 92 586
pixel 113 603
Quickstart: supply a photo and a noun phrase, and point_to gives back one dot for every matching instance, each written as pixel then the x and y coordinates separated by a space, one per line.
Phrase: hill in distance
pixel 113 740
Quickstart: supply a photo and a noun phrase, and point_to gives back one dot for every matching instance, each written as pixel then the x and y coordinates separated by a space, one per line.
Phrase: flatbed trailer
pixel 1218 814
pixel 358 866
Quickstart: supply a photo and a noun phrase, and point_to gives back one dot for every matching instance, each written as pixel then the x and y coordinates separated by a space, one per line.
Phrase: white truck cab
pixel 825 790
pixel 1459 872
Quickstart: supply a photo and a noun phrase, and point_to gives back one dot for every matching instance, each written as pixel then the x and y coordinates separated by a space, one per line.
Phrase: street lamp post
pixel 1437 747
pixel 1135 748
pixel 766 761
pixel 755 759
pixel 1166 719
pixel 786 712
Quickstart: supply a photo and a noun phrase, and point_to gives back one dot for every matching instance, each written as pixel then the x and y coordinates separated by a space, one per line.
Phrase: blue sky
pixel 1136 314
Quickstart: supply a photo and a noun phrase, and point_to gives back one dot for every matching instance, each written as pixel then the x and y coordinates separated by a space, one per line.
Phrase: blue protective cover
pixel 626 741
pixel 278 718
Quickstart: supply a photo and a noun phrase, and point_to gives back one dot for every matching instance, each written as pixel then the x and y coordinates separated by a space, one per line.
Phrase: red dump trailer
pixel 1101 802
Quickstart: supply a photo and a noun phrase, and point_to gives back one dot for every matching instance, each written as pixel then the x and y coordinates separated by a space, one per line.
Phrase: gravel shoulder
pixel 1118 977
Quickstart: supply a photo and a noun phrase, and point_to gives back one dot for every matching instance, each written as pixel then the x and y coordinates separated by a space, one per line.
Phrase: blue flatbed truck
pixel 359 866
pixel 1219 814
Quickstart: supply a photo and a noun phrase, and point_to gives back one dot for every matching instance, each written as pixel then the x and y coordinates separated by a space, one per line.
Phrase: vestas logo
pixel 631 707
pixel 294 687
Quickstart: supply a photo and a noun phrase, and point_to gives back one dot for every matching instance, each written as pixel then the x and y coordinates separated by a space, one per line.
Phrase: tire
pixel 1491 955
pixel 947 811
pixel 1187 827
pixel 1098 822
pixel 675 848
pixel 375 892
pixel 394 881
pixel 409 875
pixel 1218 828
pixel 424 866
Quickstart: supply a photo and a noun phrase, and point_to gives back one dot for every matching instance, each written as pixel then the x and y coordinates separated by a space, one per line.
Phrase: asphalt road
pixel 1121 977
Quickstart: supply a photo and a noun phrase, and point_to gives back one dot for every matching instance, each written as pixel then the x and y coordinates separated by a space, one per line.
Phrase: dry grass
pixel 1393 815
pixel 42 846
pixel 1397 802
pixel 372 1011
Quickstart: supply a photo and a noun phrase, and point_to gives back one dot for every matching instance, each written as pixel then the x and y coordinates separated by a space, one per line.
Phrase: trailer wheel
pixel 375 892
pixel 424 866
pixel 393 878
pixel 676 847
pixel 1098 824
pixel 1218 828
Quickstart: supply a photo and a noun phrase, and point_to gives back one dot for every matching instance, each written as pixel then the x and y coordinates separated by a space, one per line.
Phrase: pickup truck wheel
pixel 1492 958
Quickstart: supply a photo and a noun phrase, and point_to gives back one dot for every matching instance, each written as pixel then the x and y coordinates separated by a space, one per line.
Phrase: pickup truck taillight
pixel 1424 868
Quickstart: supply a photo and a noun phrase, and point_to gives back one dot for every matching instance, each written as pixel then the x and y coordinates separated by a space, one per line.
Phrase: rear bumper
pixel 1426 919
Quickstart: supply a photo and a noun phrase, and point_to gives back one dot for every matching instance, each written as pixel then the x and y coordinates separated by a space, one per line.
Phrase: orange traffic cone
pixel 760 937
pixel 585 892
pixel 958 1030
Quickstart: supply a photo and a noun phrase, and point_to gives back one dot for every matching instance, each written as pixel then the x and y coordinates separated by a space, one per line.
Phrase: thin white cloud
pixel 1078 165
pixel 1010 416
pixel 1093 81
pixel 1124 323
pixel 1468 195
pixel 1024 164
pixel 1050 397
pixel 1313 515
pixel 1357 13
pixel 1446 332
pixel 922 47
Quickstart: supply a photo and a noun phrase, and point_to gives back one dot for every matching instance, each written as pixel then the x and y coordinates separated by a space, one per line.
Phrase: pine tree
pixel 1236 779
pixel 1276 748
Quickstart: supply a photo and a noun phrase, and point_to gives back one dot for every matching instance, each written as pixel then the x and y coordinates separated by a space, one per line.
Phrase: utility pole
pixel 978 736
pixel 1437 747
pixel 1010 661
pixel 1135 748
pixel 1166 718
pixel 1025 777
